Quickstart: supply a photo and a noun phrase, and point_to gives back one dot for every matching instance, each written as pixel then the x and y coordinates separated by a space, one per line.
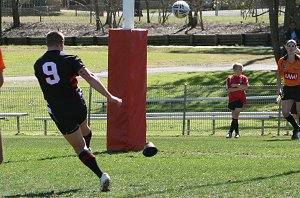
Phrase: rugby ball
pixel 180 9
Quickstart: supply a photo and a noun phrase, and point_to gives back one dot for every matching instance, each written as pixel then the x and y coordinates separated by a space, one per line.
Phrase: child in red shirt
pixel 236 85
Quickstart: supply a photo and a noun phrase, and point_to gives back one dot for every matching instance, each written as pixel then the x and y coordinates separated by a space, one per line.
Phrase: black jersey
pixel 56 72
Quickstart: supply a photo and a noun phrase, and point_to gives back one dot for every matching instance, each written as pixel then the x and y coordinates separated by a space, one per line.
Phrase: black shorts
pixel 291 93
pixel 69 113
pixel 235 104
pixel 69 119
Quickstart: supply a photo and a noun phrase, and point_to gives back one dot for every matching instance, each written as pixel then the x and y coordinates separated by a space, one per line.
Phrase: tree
pixel 148 11
pixel 109 13
pixel 112 7
pixel 193 19
pixel 164 12
pixel 196 8
pixel 199 8
pixel 15 13
pixel 273 15
pixel 289 12
pixel 97 15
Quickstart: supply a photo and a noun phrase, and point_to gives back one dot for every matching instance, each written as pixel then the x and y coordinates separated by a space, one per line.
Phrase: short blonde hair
pixel 236 65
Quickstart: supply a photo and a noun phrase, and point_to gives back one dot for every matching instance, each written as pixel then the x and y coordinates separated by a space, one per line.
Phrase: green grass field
pixel 186 166
pixel 194 166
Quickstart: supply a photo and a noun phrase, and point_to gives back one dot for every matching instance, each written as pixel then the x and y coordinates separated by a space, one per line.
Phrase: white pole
pixel 128 14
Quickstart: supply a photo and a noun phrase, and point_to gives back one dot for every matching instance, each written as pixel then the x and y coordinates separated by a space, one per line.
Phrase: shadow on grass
pixel 114 152
pixel 110 152
pixel 230 182
pixel 278 140
pixel 65 156
pixel 225 50
pixel 41 159
pixel 257 59
pixel 45 194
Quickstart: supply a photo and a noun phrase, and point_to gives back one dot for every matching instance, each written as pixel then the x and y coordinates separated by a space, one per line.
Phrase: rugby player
pixel 289 70
pixel 56 72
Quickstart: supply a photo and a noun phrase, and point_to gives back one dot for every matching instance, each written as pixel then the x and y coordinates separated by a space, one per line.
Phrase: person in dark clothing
pixel 292 33
pixel 56 72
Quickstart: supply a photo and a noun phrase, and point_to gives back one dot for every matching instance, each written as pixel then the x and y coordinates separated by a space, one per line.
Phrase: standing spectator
pixel 292 33
pixel 56 72
pixel 236 85
pixel 289 70
pixel 2 67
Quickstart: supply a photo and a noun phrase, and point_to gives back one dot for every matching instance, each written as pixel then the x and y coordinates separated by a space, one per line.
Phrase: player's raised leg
pixel 87 157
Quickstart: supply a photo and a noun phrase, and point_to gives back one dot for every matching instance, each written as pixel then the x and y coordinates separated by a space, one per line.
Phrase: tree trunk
pixel 164 8
pixel 97 13
pixel 15 13
pixel 148 11
pixel 201 17
pixel 289 13
pixel 273 15
pixel 108 12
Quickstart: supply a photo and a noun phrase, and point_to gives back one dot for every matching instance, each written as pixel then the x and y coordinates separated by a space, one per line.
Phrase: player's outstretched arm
pixel 279 83
pixel 97 85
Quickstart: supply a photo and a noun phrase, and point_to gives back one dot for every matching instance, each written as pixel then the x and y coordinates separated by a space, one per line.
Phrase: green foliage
pixel 195 166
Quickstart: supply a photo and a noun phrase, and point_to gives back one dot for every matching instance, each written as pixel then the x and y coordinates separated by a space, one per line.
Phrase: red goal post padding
pixel 127 79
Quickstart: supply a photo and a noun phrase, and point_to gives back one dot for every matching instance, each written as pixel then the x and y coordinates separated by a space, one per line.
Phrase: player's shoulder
pixel 68 56
pixel 244 77
pixel 283 58
pixel 39 61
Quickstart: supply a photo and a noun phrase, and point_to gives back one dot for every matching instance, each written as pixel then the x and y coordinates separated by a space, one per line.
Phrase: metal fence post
pixel 279 118
pixel 89 107
pixel 184 109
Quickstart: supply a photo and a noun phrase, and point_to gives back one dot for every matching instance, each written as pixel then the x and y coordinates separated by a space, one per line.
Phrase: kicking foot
pixel 105 182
